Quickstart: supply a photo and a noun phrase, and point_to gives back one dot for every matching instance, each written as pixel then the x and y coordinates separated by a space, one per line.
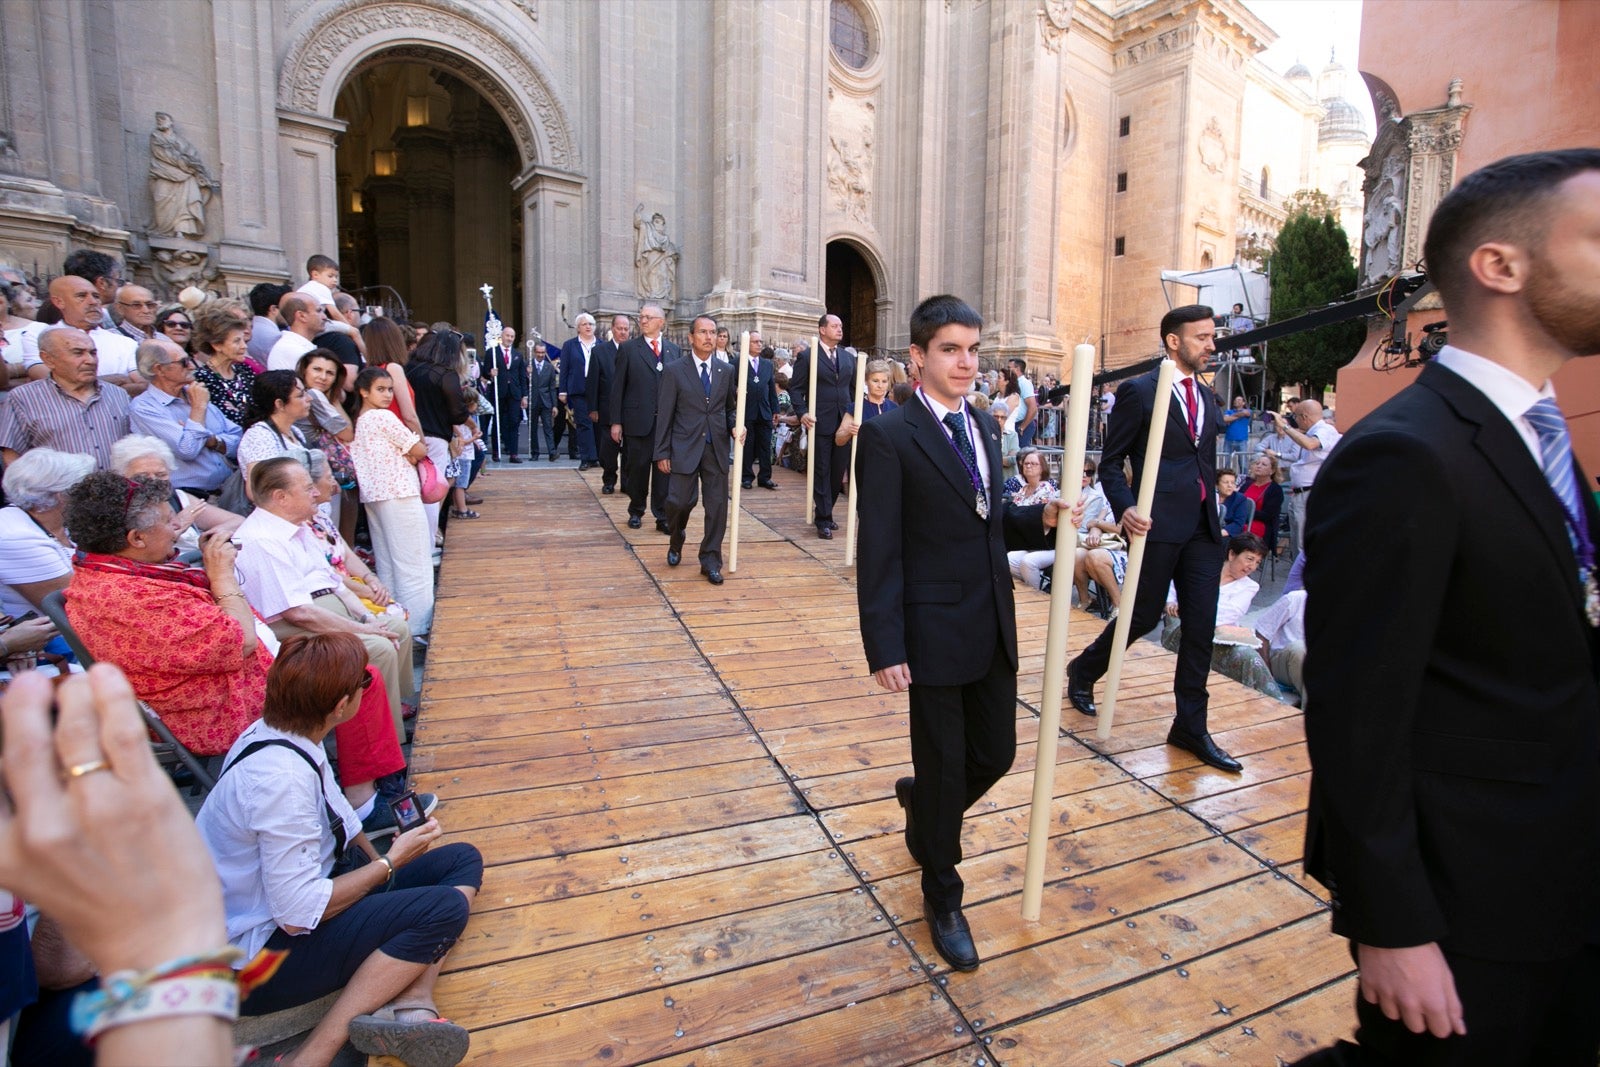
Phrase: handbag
pixel 1113 542
pixel 340 461
pixel 434 487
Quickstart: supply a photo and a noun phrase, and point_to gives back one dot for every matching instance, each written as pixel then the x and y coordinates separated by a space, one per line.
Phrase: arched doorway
pixel 851 292
pixel 425 203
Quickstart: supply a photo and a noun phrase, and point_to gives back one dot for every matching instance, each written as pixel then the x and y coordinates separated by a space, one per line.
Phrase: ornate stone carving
pixel 1055 20
pixel 852 131
pixel 1213 149
pixel 1383 229
pixel 10 160
pixel 466 29
pixel 1161 44
pixel 180 263
pixel 180 185
pixel 1411 167
pixel 655 258
pixel 529 8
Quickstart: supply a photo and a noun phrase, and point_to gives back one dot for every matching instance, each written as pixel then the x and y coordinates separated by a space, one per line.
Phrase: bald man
pixel 302 321
pixel 79 303
pixel 70 408
pixel 136 309
pixel 1315 437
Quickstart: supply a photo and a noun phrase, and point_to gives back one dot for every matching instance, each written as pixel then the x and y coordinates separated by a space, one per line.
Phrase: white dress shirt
pixel 979 446
pixel 1506 390
pixel 280 564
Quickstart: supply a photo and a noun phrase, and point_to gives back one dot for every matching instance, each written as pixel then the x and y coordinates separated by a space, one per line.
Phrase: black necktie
pixel 958 431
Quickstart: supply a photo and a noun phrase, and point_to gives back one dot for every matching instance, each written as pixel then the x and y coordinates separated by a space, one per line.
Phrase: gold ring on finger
pixel 78 770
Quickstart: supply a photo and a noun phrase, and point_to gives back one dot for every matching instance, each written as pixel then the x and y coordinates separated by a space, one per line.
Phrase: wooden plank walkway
pixel 684 795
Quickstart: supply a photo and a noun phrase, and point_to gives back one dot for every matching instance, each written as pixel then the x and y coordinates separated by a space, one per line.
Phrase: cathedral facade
pixel 760 161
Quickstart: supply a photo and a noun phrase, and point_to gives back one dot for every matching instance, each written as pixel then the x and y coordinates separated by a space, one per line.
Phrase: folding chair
pixel 56 608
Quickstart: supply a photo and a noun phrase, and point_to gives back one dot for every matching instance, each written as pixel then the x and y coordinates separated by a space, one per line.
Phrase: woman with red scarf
pixel 184 636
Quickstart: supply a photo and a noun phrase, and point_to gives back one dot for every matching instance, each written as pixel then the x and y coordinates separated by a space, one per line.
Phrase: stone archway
pixel 854 291
pixel 493 50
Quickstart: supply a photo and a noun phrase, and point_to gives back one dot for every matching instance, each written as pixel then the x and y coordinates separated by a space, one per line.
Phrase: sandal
pixel 460 513
pixel 435 1042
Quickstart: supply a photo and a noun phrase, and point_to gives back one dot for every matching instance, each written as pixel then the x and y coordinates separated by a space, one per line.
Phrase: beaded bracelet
pixel 203 984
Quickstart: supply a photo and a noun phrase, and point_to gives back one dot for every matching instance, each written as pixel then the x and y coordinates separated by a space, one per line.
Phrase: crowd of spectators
pixel 244 540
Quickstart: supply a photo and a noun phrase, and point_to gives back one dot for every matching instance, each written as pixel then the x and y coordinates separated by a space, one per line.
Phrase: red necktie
pixel 655 346
pixel 1194 434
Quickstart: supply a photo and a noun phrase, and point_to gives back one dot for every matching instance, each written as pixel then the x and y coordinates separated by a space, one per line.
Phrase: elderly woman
pixel 1236 652
pixel 221 344
pixel 18 306
pixel 299 875
pixel 185 637
pixel 1031 486
pixel 35 551
pixel 139 454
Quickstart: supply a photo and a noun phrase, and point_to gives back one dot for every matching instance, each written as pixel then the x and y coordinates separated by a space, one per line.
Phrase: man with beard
pixel 1455 734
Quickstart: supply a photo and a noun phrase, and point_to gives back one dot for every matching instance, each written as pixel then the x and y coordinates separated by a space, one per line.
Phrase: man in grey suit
pixel 696 408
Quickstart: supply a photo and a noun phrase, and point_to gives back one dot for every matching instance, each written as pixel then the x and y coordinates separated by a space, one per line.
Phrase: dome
pixel 1340 122
pixel 1298 72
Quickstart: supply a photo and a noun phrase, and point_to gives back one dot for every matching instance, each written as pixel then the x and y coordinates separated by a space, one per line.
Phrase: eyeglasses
pixel 187 362
pixel 176 324
pixel 365 683
pixel 146 304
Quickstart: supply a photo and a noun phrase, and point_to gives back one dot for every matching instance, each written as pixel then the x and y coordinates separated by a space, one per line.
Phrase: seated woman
pixel 1267 494
pixel 278 402
pixel 281 835
pixel 1101 557
pixel 1236 653
pixel 35 551
pixel 221 342
pixel 1030 486
pixel 139 454
pixel 184 636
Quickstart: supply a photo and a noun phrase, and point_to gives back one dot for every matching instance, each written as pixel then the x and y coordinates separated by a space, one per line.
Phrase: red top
pixel 1257 494
pixel 183 655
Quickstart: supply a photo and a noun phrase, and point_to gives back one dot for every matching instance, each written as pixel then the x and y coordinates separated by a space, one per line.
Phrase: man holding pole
pixel 934 591
pixel 1183 535
pixel 695 415
pixel 836 376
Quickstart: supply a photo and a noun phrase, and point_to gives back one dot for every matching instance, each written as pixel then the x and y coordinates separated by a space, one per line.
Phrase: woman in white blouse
pixel 386 453
pixel 1241 662
pixel 277 402
pixel 299 874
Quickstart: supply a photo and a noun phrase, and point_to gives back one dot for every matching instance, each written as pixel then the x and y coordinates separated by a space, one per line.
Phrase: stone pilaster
pixel 251 245
pixel 307 187
pixel 425 162
pixel 482 174
pixel 552 228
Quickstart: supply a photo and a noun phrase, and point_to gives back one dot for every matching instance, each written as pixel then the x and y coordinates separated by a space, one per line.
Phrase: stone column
pixel 251 246
pixel 307 189
pixel 426 165
pixel 552 228
pixel 610 87
pixel 1027 91
pixel 389 208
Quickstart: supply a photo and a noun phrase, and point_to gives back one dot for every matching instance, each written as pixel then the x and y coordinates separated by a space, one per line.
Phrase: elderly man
pixel 136 307
pixel 1315 439
pixel 69 410
pixel 178 410
pixel 79 304
pixel 574 390
pixel 287 579
pixel 303 320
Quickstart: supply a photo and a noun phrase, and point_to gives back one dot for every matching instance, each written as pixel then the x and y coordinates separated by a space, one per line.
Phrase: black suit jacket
pixel 932 582
pixel 513 380
pixel 633 385
pixel 685 416
pixel 574 377
pixel 836 387
pixel 1453 685
pixel 1185 465
pixel 761 399
pixel 602 368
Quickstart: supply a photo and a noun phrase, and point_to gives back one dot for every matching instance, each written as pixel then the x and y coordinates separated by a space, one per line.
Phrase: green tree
pixel 1311 267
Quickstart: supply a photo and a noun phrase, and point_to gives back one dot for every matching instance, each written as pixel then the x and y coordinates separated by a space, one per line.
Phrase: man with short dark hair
pixel 100 270
pixel 602 371
pixel 1028 421
pixel 760 406
pixel 836 379
pixel 1183 545
pixel 266 326
pixel 1453 665
pixel 345 345
pixel 695 428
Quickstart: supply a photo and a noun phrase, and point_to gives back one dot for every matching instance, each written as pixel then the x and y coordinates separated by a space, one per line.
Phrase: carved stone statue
pixel 655 258
pixel 180 185
pixel 180 267
pixel 1384 229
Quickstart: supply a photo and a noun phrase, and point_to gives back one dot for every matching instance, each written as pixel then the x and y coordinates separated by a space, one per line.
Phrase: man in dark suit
pixel 602 369
pixel 541 404
pixel 836 382
pixel 695 431
pixel 633 414
pixel 1184 540
pixel 760 405
pixel 510 372
pixel 934 590
pixel 1453 664
pixel 574 388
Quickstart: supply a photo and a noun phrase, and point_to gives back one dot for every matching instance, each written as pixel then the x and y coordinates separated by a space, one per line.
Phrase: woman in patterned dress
pixel 221 343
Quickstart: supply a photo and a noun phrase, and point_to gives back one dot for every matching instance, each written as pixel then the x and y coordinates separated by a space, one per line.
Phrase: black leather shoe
pixel 902 793
pixel 662 527
pixel 768 485
pixel 674 557
pixel 745 485
pixel 551 457
pixel 832 525
pixel 1206 749
pixel 516 459
pixel 607 490
pixel 634 522
pixel 585 465
pixel 1080 695
pixel 825 533
pixel 713 575
pixel 952 938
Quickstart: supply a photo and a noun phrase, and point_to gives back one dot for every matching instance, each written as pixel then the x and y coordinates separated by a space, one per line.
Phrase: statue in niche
pixel 1385 221
pixel 180 185
pixel 655 258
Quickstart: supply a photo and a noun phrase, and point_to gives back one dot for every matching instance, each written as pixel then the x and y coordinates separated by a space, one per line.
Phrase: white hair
pixel 134 447
pixel 583 317
pixel 41 477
